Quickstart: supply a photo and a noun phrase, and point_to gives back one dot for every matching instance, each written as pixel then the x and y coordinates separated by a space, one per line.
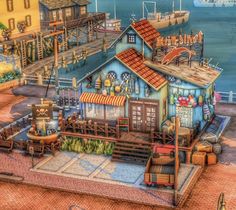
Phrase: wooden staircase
pixel 23 54
pixel 136 152
pixel 39 42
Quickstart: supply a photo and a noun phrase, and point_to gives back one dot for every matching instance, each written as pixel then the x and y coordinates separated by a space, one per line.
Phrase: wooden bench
pixel 6 145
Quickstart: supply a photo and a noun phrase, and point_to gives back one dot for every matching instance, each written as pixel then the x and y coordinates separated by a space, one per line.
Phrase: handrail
pixel 227 97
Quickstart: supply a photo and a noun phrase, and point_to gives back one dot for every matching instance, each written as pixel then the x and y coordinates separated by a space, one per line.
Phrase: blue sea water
pixel 218 25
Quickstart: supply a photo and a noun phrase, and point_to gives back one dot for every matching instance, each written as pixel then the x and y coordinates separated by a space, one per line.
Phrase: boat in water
pixel 163 20
pixel 214 3
pixel 111 24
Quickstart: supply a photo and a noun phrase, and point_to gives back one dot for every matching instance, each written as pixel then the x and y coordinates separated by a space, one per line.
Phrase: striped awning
pixel 95 98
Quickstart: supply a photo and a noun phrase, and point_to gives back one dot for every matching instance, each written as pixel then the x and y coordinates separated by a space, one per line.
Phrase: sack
pixel 203 146
pixel 210 137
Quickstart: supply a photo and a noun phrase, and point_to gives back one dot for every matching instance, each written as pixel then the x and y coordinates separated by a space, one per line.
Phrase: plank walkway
pixel 92 48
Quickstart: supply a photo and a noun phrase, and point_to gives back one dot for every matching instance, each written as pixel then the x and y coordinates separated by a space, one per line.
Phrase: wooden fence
pixel 90 128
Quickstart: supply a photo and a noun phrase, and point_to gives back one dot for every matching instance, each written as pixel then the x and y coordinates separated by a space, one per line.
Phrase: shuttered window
pixel 10 7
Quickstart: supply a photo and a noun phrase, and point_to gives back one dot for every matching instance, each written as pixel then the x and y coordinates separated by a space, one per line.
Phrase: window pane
pixel 95 111
pixel 114 112
pixel 68 12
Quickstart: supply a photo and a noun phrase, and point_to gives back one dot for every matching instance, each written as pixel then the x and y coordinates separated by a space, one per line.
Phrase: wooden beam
pixel 177 124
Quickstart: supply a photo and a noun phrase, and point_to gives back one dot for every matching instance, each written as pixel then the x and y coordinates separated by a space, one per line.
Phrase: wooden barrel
pixel 217 148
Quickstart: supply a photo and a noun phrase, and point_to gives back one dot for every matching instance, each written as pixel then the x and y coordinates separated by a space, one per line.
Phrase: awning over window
pixel 95 98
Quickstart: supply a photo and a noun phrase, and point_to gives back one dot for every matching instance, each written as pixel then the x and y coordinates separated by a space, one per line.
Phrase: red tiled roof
pixel 134 61
pixel 96 98
pixel 146 31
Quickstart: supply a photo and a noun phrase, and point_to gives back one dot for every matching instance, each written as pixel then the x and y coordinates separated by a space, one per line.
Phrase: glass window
pixel 131 38
pixel 41 15
pixel 10 7
pixel 68 12
pixel 11 23
pixel 27 4
pixel 114 112
pixel 28 20
pixel 60 14
pixel 95 111
pixel 54 15
pixel 83 10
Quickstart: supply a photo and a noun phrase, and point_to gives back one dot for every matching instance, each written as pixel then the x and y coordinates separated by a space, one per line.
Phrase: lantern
pixel 98 83
pixel 107 82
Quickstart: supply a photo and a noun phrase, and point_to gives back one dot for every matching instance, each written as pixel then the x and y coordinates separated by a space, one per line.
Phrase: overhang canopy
pixel 95 98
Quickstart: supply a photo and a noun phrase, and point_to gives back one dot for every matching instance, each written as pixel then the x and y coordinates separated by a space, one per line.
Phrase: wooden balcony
pixel 79 22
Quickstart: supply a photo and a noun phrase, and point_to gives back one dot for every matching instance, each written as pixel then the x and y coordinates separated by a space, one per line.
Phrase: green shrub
pixel 89 147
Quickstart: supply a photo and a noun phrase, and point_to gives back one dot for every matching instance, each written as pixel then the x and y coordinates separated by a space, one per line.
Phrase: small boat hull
pixel 45 139
pixel 200 3
pixel 181 17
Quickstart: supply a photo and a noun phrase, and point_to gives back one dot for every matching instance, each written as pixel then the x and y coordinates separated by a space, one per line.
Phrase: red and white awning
pixel 95 98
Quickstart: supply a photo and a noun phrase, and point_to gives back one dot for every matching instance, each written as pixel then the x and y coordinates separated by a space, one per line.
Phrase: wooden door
pixel 150 117
pixel 144 115
pixel 136 117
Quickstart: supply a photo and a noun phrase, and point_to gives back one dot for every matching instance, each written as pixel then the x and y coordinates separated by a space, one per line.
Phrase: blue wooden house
pixel 133 86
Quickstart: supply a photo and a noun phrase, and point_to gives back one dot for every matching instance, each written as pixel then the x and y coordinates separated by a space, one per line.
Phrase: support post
pixel 188 157
pixel 177 123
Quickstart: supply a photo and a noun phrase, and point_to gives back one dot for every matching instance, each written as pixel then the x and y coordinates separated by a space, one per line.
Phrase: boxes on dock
pixel 203 146
pixel 199 158
pixel 211 159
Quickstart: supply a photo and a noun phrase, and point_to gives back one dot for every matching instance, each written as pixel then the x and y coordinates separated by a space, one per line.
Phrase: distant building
pixel 62 10
pixel 21 17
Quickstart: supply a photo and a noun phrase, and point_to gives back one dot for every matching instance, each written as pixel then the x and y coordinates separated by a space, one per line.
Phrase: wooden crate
pixel 199 158
pixel 211 158
pixel 146 177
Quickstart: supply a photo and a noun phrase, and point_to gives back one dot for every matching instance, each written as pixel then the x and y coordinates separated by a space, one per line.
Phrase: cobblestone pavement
pixel 218 178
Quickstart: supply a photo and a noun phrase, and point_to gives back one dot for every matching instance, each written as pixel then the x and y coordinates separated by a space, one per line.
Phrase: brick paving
pixel 218 178
pixel 44 199
pixel 215 179
pixel 20 166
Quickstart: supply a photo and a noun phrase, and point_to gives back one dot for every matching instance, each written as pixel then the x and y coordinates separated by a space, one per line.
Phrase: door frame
pixel 144 102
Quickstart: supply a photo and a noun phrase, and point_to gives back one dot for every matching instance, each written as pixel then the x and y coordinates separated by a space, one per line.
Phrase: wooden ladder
pixel 39 41
pixel 23 54
pixel 136 152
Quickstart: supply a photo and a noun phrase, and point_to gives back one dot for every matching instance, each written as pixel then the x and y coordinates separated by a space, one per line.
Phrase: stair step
pixel 128 157
pixel 131 154
pixel 130 161
pixel 132 149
